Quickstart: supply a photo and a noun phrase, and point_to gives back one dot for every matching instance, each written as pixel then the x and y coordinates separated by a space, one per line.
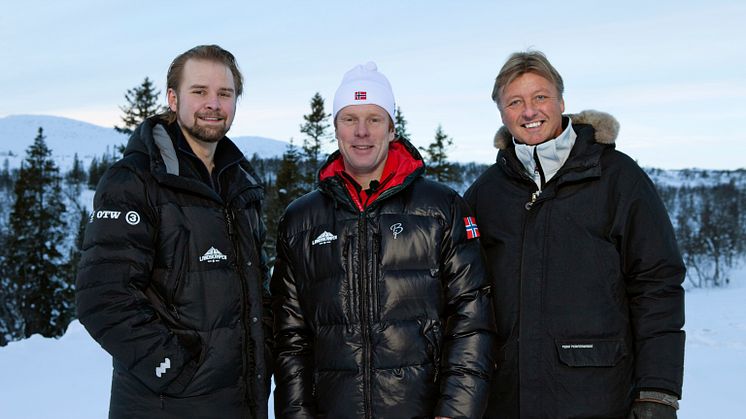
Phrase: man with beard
pixel 586 271
pixel 171 280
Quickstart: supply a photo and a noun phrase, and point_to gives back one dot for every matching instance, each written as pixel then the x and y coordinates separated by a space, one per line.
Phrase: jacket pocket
pixel 590 352
pixel 434 337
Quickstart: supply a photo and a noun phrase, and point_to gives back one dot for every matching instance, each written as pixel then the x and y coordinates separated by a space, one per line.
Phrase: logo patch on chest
pixel 396 229
pixel 324 238
pixel 213 255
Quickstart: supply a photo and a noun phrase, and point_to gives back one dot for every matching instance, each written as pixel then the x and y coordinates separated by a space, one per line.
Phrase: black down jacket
pixel 384 312
pixel 170 282
pixel 587 282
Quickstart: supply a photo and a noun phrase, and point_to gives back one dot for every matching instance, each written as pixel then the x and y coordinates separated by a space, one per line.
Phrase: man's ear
pixel 172 99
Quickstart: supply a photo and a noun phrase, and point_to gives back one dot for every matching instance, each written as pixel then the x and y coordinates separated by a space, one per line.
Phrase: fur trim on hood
pixel 606 126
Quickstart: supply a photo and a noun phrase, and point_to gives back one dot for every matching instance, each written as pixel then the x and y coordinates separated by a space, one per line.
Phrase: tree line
pixel 42 218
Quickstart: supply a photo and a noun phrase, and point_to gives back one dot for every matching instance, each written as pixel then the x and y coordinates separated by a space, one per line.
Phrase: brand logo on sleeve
pixel 132 217
pixel 110 215
pixel 161 369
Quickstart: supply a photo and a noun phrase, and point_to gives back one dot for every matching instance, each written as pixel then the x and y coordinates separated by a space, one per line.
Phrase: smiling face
pixel 531 109
pixel 363 136
pixel 205 100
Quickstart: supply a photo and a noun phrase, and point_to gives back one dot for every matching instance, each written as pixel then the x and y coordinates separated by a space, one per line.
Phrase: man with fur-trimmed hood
pixel 586 271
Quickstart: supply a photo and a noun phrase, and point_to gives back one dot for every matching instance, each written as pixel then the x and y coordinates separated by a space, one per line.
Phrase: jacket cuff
pixel 658 397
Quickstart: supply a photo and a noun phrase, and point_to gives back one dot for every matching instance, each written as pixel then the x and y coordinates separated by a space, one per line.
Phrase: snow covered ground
pixel 69 377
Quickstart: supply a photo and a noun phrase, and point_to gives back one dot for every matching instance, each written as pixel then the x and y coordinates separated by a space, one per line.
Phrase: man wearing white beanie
pixel 382 308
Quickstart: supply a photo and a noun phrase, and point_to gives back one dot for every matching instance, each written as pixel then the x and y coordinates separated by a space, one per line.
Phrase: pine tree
pixel 76 174
pixel 438 166
pixel 81 218
pixel 287 187
pixel 6 176
pixel 34 259
pixel 142 103
pixel 400 124
pixel 315 128
pixel 98 167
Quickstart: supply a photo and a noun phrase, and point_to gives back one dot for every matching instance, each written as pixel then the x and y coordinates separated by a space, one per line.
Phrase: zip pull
pixel 229 221
pixel 175 311
pixel 534 197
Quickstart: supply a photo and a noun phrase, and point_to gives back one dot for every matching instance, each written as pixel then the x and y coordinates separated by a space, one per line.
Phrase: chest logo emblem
pixel 324 238
pixel 213 255
pixel 397 229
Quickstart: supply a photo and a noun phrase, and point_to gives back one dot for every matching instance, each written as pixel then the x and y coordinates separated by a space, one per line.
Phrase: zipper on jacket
pixel 246 344
pixel 534 197
pixel 542 181
pixel 364 317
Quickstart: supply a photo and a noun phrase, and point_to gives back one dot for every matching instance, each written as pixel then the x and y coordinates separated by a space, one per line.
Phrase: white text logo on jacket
pixel 213 255
pixel 132 217
pixel 397 229
pixel 324 238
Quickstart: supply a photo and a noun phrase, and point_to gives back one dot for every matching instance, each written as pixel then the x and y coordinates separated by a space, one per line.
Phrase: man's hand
pixel 651 410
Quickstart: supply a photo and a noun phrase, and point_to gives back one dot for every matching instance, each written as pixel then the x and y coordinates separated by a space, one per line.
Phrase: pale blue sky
pixel 672 72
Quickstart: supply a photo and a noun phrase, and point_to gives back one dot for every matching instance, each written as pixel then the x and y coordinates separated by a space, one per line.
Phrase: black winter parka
pixel 384 312
pixel 171 282
pixel 587 281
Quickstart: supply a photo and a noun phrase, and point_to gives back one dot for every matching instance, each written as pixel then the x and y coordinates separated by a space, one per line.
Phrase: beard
pixel 207 134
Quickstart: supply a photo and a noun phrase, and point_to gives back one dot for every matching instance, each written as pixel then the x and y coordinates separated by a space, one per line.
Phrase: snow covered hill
pixel 65 137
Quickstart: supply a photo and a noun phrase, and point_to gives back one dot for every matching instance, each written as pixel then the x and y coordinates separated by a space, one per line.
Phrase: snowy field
pixel 69 377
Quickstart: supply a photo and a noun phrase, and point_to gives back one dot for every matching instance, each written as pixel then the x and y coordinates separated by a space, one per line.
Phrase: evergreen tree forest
pixel 37 281
pixel 42 218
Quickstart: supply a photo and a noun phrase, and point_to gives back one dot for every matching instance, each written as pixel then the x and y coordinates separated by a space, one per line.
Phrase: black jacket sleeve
pixel 653 272
pixel 112 281
pixel 469 336
pixel 292 338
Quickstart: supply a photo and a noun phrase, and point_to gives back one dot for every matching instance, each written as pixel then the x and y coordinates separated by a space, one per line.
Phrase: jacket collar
pixel 551 154
pixel 595 131
pixel 403 164
pixel 154 139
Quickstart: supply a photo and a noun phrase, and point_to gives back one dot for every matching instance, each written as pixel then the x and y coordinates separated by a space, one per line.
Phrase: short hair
pixel 212 53
pixel 520 63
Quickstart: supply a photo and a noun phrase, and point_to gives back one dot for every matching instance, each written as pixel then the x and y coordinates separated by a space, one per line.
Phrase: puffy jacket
pixel 171 282
pixel 587 281
pixel 382 312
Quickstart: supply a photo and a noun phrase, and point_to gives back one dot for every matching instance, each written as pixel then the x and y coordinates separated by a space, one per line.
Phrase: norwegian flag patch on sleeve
pixel 472 231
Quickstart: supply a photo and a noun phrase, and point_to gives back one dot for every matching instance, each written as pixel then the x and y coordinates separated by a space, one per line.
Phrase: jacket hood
pixel 152 140
pixel 606 128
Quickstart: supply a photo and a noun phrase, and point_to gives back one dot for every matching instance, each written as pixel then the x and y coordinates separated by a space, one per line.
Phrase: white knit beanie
pixel 364 85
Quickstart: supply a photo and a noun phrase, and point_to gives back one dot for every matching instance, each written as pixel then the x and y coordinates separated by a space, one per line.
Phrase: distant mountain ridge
pixel 65 137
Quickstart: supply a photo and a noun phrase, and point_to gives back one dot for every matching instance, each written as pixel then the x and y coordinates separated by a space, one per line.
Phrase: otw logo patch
pixel 472 231
pixel 132 217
